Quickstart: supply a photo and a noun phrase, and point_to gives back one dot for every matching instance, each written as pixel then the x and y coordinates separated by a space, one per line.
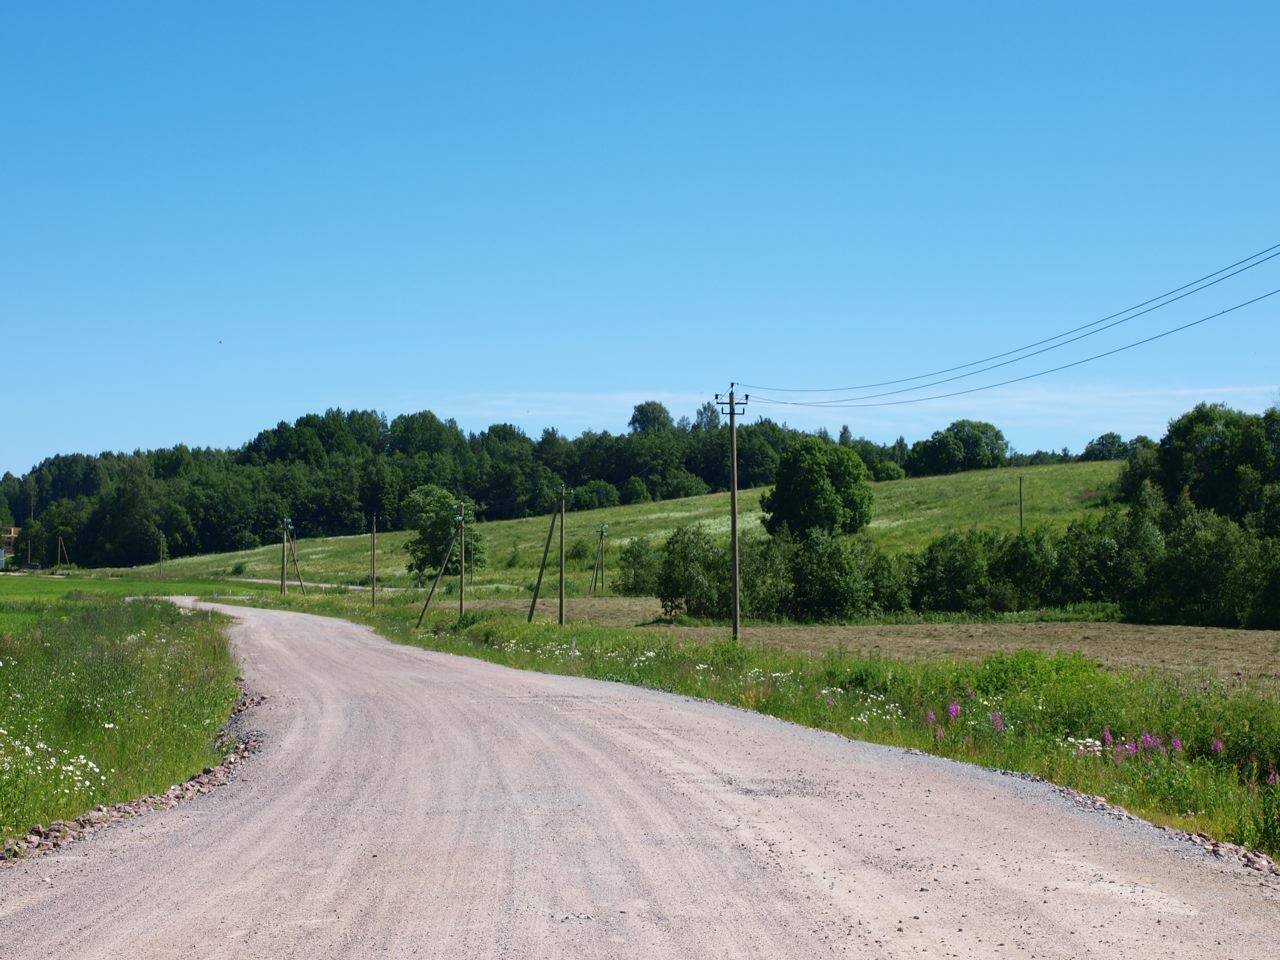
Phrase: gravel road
pixel 414 804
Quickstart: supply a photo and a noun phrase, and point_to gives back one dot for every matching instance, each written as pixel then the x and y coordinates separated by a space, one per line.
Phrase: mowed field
pixel 907 514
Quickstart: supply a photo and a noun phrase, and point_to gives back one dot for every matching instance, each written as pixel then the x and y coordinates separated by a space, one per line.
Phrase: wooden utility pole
pixel 733 404
pixel 31 526
pixel 293 552
pixel 435 583
pixel 546 552
pixel 562 556
pixel 284 558
pixel 373 562
pixel 462 561
pixel 604 536
pixel 1021 516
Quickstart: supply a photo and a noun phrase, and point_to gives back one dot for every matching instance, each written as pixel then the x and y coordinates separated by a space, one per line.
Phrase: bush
pixel 581 550
pixel 952 574
pixel 1022 571
pixel 595 494
pixel 681 483
pixel 828 580
pixel 694 576
pixel 638 567
pixel 635 491
pixel 883 470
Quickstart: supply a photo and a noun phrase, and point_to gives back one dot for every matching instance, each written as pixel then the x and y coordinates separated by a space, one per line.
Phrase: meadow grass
pixel 1195 752
pixel 907 515
pixel 102 700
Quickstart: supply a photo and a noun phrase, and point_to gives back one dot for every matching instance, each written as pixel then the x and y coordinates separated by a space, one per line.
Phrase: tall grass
pixel 1195 753
pixel 103 701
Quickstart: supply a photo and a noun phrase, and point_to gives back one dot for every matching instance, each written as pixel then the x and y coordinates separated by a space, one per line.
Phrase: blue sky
pixel 215 218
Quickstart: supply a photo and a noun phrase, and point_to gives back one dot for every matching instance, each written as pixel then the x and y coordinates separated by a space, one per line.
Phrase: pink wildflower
pixel 931 718
pixel 1107 738
pixel 997 722
pixel 1273 778
pixel 1176 743
pixel 953 711
pixel 1217 745
pixel 939 733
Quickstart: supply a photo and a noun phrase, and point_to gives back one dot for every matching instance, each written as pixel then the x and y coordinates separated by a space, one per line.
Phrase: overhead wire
pixel 1266 254
pixel 1030 376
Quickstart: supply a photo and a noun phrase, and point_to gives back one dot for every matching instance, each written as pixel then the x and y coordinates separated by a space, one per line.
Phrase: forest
pixel 331 472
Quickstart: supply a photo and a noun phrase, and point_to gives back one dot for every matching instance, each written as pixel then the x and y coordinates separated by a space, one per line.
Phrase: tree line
pixel 1192 535
pixel 331 472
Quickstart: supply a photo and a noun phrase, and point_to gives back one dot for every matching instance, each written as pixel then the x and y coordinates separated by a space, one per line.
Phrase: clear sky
pixel 214 217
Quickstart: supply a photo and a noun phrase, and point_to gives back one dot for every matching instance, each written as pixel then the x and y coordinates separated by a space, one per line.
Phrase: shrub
pixel 952 573
pixel 883 470
pixel 681 483
pixel 694 576
pixel 638 567
pixel 595 494
pixel 1022 570
pixel 827 580
pixel 635 491
pixel 580 550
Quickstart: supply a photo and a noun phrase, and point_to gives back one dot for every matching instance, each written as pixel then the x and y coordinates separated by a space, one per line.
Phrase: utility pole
pixel 293 551
pixel 562 555
pixel 546 552
pixel 31 526
pixel 604 535
pixel 462 561
pixel 1021 515
pixel 284 557
pixel 436 582
pixel 733 403
pixel 373 562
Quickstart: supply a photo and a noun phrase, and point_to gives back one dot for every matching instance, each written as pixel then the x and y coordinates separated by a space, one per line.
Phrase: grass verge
pixel 1192 752
pixel 102 701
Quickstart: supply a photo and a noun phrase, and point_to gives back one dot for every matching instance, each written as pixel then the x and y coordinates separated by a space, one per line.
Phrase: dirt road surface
pixel 414 804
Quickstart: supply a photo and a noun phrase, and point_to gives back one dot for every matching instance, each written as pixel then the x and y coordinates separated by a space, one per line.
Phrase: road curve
pixel 415 804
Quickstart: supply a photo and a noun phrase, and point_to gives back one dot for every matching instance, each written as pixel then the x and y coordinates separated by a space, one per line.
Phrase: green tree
pixel 820 487
pixel 649 417
pixel 431 513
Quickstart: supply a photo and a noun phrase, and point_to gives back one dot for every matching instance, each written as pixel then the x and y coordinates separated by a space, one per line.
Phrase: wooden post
pixel 373 562
pixel 1021 521
pixel 595 568
pixel 562 556
pixel 733 511
pixel 462 561
pixel 284 558
pixel 293 551
pixel 546 552
pixel 435 583
pixel 604 534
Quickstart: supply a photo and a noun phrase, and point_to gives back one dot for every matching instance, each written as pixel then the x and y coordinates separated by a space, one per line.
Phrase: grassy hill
pixel 907 515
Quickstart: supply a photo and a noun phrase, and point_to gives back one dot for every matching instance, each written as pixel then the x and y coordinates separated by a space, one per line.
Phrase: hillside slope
pixel 907 514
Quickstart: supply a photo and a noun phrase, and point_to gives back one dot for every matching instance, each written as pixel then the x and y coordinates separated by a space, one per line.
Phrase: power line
pixel 1029 376
pixel 1035 353
pixel 1273 252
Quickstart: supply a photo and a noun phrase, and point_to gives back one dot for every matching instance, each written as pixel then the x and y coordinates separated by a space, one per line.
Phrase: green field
pixel 907 515
pixel 102 700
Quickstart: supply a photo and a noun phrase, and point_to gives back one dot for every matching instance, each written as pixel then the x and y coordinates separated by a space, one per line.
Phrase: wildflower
pixel 1131 748
pixel 997 722
pixel 931 718
pixel 1273 778
pixel 953 710
pixel 939 733
pixel 1217 745
pixel 1107 738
